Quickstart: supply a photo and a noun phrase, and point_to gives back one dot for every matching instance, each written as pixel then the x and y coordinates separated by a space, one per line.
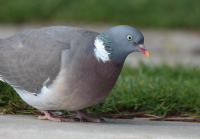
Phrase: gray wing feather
pixel 28 59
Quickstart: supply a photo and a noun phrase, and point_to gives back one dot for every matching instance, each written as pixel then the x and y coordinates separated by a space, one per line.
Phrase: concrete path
pixel 171 46
pixel 28 127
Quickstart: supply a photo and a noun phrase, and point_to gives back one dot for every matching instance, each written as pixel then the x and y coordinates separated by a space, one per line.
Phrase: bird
pixel 67 68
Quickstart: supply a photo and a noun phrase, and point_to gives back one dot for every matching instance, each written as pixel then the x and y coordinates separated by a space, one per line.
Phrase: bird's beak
pixel 143 50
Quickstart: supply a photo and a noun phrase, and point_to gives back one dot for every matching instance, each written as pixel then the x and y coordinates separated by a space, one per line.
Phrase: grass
pixel 139 13
pixel 162 89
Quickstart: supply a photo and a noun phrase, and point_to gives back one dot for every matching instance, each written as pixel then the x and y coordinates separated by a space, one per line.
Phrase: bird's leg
pixel 82 116
pixel 49 116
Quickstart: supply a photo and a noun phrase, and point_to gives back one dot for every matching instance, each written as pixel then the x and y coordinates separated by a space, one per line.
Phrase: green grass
pixel 162 89
pixel 139 13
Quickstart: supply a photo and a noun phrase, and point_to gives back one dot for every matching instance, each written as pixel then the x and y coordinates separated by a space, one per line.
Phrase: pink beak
pixel 143 50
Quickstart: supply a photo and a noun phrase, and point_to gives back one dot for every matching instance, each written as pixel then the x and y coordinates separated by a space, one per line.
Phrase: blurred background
pixel 171 28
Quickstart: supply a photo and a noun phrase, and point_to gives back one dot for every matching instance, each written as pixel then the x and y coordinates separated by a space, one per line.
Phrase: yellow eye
pixel 129 37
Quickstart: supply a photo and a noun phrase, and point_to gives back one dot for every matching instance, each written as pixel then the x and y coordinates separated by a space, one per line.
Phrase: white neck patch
pixel 100 51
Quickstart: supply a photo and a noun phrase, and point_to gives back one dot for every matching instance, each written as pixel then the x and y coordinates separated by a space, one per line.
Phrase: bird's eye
pixel 129 37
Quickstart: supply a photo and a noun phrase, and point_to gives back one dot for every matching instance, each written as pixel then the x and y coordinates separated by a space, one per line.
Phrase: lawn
pixel 163 90
pixel 139 13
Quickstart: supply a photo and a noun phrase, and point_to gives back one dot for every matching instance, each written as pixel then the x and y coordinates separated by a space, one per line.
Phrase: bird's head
pixel 118 42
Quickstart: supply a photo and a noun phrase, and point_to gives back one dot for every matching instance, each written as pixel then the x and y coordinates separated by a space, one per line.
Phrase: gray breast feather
pixel 28 59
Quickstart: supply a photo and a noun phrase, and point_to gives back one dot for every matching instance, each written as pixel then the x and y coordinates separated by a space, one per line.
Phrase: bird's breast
pixel 90 84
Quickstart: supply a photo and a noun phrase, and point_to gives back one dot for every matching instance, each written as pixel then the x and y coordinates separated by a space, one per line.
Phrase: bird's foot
pixel 82 116
pixel 49 116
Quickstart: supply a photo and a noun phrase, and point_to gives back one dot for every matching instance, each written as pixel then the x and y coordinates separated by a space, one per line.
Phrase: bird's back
pixel 28 59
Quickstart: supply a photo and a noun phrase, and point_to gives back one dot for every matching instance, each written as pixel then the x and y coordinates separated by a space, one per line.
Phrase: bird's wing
pixel 30 58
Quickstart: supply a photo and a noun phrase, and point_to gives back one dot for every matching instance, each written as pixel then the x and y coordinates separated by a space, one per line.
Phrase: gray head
pixel 118 42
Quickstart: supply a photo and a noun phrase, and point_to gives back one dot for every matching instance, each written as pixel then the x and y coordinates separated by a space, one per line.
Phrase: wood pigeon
pixel 66 68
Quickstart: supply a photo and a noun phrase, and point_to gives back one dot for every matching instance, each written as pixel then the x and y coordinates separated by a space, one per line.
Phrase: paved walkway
pixel 28 127
pixel 171 46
